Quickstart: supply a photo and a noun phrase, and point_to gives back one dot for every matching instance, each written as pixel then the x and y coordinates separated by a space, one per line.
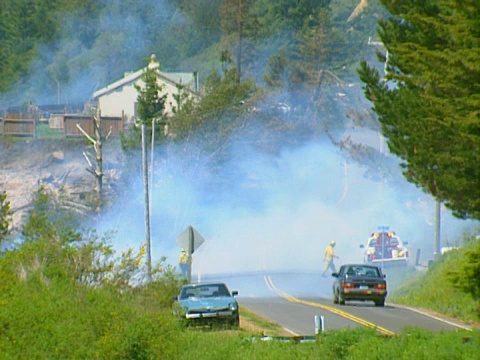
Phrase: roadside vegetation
pixel 453 278
pixel 66 294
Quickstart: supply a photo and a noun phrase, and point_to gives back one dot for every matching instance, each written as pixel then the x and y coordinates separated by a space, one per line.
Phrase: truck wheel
pixel 380 302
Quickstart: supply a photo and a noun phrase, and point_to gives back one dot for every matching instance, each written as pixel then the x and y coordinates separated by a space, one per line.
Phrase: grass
pixel 435 291
pixel 360 343
pixel 44 131
pixel 258 325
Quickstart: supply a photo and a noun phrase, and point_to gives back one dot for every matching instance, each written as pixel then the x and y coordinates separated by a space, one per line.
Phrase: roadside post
pixel 319 324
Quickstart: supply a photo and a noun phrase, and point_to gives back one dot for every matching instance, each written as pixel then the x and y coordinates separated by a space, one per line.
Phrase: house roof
pixel 174 78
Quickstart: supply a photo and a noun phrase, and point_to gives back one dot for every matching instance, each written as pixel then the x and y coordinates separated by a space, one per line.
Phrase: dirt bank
pixel 25 164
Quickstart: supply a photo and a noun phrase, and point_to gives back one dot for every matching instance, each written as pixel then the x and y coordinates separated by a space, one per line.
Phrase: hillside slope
pixel 25 164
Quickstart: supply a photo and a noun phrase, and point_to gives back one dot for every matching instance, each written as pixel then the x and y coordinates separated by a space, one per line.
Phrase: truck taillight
pixel 380 286
pixel 347 285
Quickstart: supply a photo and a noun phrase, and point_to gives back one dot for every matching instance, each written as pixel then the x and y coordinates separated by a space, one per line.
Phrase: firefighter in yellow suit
pixel 329 256
pixel 183 261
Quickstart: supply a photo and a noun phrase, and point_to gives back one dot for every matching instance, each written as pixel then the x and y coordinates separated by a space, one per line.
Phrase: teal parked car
pixel 207 304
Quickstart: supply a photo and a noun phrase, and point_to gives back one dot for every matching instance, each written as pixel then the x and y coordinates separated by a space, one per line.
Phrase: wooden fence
pixel 17 125
pixel 106 123
pixel 25 125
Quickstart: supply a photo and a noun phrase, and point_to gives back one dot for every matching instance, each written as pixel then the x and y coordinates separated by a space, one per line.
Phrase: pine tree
pixel 429 99
pixel 150 101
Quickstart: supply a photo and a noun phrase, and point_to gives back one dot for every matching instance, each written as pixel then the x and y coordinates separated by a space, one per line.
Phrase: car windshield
pixel 207 290
pixel 362 271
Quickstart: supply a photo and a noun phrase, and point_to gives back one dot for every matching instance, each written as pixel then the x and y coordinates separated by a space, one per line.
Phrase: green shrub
pixel 64 294
pixel 419 344
pixel 444 288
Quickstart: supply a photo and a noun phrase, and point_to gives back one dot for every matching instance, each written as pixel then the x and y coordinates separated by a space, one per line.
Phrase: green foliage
pixel 438 290
pixel 316 47
pixel 150 103
pixel 47 219
pixel 5 216
pixel 429 97
pixel 275 70
pixel 466 276
pixel 44 131
pixel 360 343
pixel 218 113
pixel 418 344
pixel 144 336
pixel 150 108
pixel 65 294
pixel 130 140
pixel 23 25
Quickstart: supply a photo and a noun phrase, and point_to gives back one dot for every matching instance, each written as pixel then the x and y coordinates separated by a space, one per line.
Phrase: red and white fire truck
pixel 385 248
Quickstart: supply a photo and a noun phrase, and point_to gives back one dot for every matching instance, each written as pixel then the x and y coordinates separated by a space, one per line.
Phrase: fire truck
pixel 385 248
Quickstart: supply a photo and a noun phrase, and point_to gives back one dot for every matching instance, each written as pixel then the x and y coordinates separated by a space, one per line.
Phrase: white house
pixel 120 97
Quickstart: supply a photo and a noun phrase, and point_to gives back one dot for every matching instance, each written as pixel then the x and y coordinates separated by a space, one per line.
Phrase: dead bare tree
pixel 95 161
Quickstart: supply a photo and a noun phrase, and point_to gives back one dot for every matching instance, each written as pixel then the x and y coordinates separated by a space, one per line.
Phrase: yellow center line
pixel 331 309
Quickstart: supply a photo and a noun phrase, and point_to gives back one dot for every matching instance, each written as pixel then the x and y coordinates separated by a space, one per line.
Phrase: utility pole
pixel 149 106
pixel 152 162
pixel 191 245
pixel 147 203
pixel 438 205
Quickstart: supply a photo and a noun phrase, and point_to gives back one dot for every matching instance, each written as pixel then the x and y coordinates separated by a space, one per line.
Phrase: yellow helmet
pixel 333 243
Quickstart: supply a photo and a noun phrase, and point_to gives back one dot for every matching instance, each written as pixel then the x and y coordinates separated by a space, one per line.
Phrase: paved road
pixel 294 300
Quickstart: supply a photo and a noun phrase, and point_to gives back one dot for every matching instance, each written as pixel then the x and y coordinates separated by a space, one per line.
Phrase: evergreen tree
pixel 240 26
pixel 151 102
pixel 218 113
pixel 429 99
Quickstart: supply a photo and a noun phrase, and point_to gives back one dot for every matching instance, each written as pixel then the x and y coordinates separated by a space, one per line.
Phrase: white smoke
pixel 279 212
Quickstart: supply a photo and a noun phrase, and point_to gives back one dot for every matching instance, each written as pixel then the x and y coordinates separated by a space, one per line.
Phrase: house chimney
pixel 153 62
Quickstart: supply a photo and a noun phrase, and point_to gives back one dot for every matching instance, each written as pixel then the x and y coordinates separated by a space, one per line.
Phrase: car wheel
pixel 341 300
pixel 380 302
pixel 335 297
pixel 236 322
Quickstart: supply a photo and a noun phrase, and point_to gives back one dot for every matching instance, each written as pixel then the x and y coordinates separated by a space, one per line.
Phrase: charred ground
pixel 26 164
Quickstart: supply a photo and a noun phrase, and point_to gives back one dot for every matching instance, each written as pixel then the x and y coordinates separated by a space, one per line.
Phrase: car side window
pixel 222 291
pixel 187 292
pixel 351 272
